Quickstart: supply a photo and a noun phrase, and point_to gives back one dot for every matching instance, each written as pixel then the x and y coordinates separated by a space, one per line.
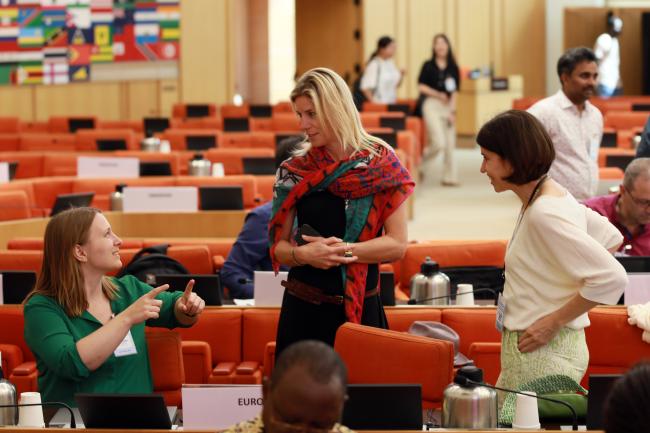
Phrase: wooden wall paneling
pixel 473 40
pixel 258 52
pixel 142 99
pixel 17 101
pixel 167 96
pixel 103 100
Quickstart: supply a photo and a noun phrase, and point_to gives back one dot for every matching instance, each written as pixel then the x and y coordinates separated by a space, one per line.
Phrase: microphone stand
pixel 419 301
pixel 471 382
pixel 73 423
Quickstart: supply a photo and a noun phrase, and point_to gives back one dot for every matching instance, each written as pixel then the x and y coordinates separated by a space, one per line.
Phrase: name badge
pixel 501 311
pixel 450 84
pixel 594 146
pixel 126 347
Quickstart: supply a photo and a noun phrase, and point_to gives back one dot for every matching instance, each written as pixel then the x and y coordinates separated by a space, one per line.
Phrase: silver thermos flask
pixel 117 197
pixel 430 283
pixel 8 415
pixel 199 166
pixel 469 406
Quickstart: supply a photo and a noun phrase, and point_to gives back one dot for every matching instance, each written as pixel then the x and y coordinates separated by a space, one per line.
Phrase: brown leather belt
pixel 314 295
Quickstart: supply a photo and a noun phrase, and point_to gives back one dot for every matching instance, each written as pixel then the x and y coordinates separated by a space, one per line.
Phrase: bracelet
pixel 293 257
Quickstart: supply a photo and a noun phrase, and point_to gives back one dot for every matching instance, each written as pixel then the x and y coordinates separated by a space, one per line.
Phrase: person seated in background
pixel 305 392
pixel 250 252
pixel 85 329
pixel 626 408
pixel 629 209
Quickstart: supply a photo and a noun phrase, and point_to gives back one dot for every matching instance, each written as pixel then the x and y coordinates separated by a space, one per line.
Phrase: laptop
pixel 388 137
pixel 235 124
pixel 599 387
pixel 387 288
pixel 397 123
pixel 609 139
pixel 15 285
pixel 197 110
pixel 67 201
pixel 200 142
pixel 155 124
pixel 383 407
pixel 106 145
pixel 155 168
pixel 75 124
pixel 13 166
pixel 267 290
pixel 260 110
pixel 403 108
pixel 620 161
pixel 221 198
pixel 121 411
pixel 635 264
pixel 207 286
pixel 259 165
pixel 640 107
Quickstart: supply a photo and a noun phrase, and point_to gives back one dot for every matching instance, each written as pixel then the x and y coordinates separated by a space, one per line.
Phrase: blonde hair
pixel 335 109
pixel 60 277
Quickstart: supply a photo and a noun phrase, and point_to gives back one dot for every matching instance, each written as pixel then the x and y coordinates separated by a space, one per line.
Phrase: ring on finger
pixel 348 251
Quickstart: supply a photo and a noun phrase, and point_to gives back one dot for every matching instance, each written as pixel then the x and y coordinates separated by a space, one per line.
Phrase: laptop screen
pixel 121 411
pixel 155 124
pixel 258 165
pixel 235 124
pixel 197 110
pixel 155 168
pixel 74 124
pixel 221 197
pixel 16 285
pixel 67 201
pixel 260 110
pixel 383 407
pixel 111 144
pixel 397 123
pixel 200 142
pixel 599 387
pixel 208 287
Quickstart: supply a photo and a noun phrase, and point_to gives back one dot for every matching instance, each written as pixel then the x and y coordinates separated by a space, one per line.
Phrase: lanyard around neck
pixel 528 203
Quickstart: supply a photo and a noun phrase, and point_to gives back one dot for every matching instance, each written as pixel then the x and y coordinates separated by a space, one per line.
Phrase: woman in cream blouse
pixel 559 262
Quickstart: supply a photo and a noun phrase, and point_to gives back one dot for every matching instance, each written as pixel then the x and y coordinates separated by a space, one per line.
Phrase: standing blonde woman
pixel 86 329
pixel 438 84
pixel 349 187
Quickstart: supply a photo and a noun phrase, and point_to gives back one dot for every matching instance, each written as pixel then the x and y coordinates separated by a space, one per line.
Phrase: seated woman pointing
pixel 86 329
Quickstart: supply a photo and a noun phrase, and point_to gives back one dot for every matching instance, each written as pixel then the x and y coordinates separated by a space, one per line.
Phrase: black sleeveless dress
pixel 301 320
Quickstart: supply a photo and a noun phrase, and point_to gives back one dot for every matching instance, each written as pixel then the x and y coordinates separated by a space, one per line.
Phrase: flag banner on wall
pixel 58 41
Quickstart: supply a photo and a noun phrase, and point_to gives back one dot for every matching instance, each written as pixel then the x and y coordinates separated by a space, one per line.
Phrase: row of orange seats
pixel 617 103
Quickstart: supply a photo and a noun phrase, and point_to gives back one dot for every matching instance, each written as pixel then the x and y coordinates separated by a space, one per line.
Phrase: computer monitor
pixel 77 123
pixel 387 288
pixel 197 110
pixel 620 161
pixel 208 287
pixel 155 168
pixel 123 411
pixel 599 387
pixel 640 107
pixel 383 407
pixel 259 165
pixel 397 123
pixel 635 264
pixel 106 145
pixel 67 201
pixel 200 142
pixel 235 124
pixel 280 137
pixel 16 285
pixel 155 124
pixel 403 108
pixel 388 137
pixel 221 198
pixel 260 110
pixel 609 139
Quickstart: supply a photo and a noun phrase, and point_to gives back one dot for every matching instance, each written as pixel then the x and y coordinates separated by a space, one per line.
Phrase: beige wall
pixel 507 34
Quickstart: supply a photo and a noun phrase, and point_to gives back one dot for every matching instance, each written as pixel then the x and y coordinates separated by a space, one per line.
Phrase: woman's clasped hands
pixel 325 253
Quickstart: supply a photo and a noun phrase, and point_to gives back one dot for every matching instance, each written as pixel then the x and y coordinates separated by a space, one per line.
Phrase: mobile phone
pixel 305 229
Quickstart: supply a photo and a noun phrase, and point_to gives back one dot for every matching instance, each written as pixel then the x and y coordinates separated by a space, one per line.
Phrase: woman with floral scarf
pixel 349 188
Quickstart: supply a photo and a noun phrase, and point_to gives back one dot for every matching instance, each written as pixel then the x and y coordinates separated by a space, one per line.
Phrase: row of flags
pixel 58 41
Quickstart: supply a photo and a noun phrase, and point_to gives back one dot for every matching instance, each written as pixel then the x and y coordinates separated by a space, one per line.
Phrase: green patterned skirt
pixel 556 367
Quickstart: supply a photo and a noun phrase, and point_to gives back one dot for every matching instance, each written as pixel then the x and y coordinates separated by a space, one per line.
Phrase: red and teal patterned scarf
pixel 373 186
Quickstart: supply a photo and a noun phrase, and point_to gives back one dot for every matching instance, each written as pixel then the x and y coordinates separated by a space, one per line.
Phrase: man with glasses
pixel 629 209
pixel 305 393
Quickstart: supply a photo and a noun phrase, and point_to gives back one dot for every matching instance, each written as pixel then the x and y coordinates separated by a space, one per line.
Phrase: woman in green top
pixel 86 329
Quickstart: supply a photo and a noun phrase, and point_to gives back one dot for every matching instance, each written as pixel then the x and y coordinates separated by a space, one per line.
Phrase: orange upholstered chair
pixel 260 327
pixel 9 125
pixel 400 319
pixel 31 243
pixel 47 142
pixel 180 109
pixel 166 361
pixel 381 356
pixel 17 260
pixel 59 124
pixel 232 158
pixel 87 138
pixel 246 181
pixel 21 365
pixel 626 119
pixel 14 205
pixel 253 139
pixel 30 164
pixel 610 173
pixel 178 137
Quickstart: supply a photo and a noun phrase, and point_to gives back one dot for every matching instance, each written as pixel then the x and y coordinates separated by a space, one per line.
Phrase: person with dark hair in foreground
pixel 250 252
pixel 558 264
pixel 574 125
pixel 305 392
pixel 626 408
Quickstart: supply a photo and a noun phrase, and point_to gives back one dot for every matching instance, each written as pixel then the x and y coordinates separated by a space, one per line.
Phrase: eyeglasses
pixel 281 426
pixel 639 202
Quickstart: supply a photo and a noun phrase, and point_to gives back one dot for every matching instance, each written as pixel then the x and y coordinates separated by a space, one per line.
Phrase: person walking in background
pixel 573 123
pixel 608 53
pixel 438 83
pixel 381 77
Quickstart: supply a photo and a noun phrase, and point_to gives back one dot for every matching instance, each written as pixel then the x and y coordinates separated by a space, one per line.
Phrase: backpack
pixel 152 261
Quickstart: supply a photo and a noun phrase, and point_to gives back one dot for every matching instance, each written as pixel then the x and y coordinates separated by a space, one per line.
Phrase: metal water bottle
pixel 117 197
pixel 430 283
pixel 469 406
pixel 199 166
pixel 8 415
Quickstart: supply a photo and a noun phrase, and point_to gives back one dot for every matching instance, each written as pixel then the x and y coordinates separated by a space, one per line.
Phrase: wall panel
pixel 17 101
pixel 104 100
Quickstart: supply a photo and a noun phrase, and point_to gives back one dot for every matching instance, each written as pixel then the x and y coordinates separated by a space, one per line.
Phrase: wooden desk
pixel 477 103
pixel 226 224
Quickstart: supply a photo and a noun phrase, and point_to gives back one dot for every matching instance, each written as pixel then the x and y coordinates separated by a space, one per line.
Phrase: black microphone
pixel 73 423
pixel 245 281
pixel 464 381
pixel 421 301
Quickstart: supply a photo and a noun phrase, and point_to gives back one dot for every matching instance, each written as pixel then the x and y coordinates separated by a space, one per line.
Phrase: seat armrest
pixel 248 367
pixel 224 369
pixel 25 369
pixel 218 262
